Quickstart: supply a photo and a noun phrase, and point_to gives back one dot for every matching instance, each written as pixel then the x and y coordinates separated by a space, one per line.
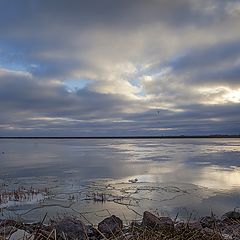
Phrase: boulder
pixel 161 223
pixel 71 229
pixel 231 215
pixel 21 234
pixel 92 232
pixel 110 226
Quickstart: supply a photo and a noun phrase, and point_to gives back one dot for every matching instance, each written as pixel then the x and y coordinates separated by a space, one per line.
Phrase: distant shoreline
pixel 123 137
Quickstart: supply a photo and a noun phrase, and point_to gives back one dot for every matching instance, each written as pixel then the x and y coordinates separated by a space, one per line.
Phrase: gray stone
pixel 21 235
pixel 151 221
pixel 110 226
pixel 231 215
pixel 92 232
pixel 71 228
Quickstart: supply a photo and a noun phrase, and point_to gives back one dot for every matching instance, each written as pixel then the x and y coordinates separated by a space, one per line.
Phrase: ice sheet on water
pixel 73 195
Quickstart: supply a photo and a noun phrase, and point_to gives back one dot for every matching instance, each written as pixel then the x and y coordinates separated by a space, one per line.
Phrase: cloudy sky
pixel 119 68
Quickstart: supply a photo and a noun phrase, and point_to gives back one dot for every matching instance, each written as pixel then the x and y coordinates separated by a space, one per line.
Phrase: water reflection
pixel 209 163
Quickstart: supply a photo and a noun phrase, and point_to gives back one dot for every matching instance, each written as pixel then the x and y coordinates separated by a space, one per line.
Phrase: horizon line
pixel 123 137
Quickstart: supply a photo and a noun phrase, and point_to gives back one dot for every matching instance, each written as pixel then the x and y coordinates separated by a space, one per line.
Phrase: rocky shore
pixel 150 227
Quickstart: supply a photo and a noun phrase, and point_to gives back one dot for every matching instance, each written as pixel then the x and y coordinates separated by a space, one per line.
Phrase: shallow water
pixel 174 176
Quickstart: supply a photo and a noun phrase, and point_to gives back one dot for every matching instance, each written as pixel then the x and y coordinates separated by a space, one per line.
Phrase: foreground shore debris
pixel 150 227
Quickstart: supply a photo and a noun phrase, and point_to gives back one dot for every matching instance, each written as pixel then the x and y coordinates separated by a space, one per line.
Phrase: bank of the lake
pixel 150 227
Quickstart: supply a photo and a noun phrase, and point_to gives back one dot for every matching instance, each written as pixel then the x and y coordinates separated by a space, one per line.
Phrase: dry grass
pixel 134 231
pixel 184 233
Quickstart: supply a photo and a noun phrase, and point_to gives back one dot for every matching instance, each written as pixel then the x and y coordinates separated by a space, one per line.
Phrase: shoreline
pixel 149 227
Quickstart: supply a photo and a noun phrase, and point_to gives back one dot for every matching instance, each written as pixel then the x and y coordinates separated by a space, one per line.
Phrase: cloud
pixel 211 74
pixel 132 60
pixel 32 104
pixel 213 55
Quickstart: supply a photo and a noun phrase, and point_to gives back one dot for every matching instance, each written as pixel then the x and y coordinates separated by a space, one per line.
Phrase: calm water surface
pixel 174 175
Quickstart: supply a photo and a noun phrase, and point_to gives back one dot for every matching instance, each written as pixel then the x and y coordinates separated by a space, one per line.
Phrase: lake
pixel 90 177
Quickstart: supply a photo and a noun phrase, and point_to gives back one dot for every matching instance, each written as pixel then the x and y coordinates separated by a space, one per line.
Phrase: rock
pixel 92 232
pixel 71 228
pixel 8 230
pixel 231 215
pixel 110 226
pixel 21 234
pixel 151 221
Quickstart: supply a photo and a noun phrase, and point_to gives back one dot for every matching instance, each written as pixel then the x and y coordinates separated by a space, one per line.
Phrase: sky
pixel 119 68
